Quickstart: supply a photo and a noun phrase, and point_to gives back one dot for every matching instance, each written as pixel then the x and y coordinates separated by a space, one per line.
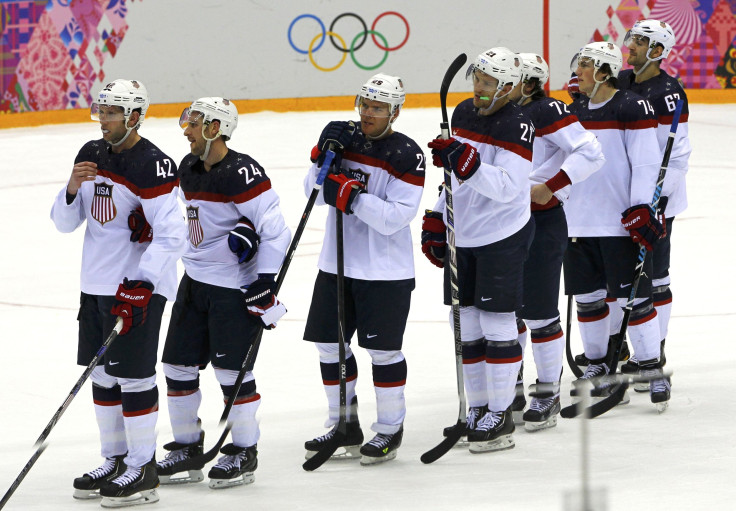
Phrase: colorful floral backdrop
pixel 54 51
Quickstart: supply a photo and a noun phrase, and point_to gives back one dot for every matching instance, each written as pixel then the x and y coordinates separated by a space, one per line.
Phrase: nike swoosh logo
pixel 113 363
pixel 369 336
pixel 624 285
pixel 484 299
pixel 220 355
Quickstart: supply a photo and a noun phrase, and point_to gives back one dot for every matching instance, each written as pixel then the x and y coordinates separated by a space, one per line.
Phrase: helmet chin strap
pixel 597 83
pixel 127 133
pixel 496 97
pixel 641 70
pixel 209 143
pixel 383 133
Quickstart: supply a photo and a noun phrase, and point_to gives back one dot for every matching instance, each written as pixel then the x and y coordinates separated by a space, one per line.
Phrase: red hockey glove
pixel 340 190
pixel 462 159
pixel 140 228
pixel 573 89
pixel 261 301
pixel 434 238
pixel 131 303
pixel 243 240
pixel 642 225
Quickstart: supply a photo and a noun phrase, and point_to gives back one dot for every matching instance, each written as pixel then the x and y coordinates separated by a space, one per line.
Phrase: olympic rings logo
pixel 355 45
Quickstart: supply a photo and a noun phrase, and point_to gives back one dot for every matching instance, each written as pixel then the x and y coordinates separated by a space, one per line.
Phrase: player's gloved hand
pixel 461 158
pixel 131 303
pixel 339 134
pixel 434 237
pixel 642 225
pixel 140 228
pixel 261 301
pixel 340 190
pixel 243 240
pixel 573 89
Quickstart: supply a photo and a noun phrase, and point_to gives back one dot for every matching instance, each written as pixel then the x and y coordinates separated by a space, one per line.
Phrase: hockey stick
pixel 620 382
pixel 568 351
pixel 458 430
pixel 40 443
pixel 250 356
pixel 329 448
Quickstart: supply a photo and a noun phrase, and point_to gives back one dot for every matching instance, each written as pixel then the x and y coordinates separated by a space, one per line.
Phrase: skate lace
pixel 130 475
pixel 107 467
pixel 381 440
pixel 473 416
pixel 174 457
pixel 542 404
pixel 660 385
pixel 594 370
pixel 327 436
pixel 230 461
pixel 490 420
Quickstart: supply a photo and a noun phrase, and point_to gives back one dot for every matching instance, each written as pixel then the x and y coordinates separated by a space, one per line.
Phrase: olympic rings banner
pixel 310 47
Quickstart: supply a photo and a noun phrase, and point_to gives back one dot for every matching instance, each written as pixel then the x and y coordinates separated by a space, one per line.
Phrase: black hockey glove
pixel 140 228
pixel 340 190
pixel 243 240
pixel 462 159
pixel 261 302
pixel 642 225
pixel 434 237
pixel 337 133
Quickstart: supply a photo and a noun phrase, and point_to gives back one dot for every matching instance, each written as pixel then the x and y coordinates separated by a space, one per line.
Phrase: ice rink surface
pixel 682 459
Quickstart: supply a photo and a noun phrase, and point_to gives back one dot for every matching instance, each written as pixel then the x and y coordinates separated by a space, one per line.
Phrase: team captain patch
pixel 196 235
pixel 103 207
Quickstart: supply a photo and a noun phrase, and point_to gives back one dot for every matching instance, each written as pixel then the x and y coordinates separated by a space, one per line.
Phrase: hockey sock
pixel 140 412
pixel 242 416
pixel 183 399
pixel 521 327
pixel 616 314
pixel 474 372
pixel 548 346
pixel 643 329
pixel 389 381
pixel 331 380
pixel 594 321
pixel 503 360
pixel 109 414
pixel 663 304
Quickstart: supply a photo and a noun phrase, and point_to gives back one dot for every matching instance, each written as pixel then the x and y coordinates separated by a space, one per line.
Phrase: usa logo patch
pixel 103 207
pixel 196 235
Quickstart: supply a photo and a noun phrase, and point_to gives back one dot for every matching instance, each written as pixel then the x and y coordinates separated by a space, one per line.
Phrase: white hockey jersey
pixel 376 237
pixel 236 186
pixel 626 128
pixel 663 91
pixel 494 203
pixel 141 176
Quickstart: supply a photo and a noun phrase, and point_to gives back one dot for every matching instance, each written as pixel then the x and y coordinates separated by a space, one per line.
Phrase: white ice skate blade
pixel 661 407
pixel 193 476
pixel 347 452
pixel 501 443
pixel 368 460
pixel 518 417
pixel 137 499
pixel 219 484
pixel 641 386
pixel 531 427
pixel 86 494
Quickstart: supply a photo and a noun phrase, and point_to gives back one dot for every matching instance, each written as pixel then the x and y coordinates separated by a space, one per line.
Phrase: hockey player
pixel 490 155
pixel 609 210
pixel 117 182
pixel 564 154
pixel 237 238
pixel 378 188
pixel 649 43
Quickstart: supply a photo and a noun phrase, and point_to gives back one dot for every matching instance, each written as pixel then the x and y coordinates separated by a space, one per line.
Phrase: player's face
pixel 193 124
pixel 374 116
pixel 484 88
pixel 112 122
pixel 585 72
pixel 638 47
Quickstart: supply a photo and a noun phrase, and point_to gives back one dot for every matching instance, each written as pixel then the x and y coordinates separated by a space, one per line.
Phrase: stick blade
pixel 459 61
pixel 325 453
pixel 453 436
pixel 599 408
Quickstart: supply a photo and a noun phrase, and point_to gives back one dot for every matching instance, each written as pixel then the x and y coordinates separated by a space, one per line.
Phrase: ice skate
pixel 382 448
pixel 88 486
pixel 179 460
pixel 136 486
pixel 597 382
pixel 493 432
pixel 235 468
pixel 659 385
pixel 517 406
pixel 582 361
pixel 544 408
pixel 349 448
pixel 474 414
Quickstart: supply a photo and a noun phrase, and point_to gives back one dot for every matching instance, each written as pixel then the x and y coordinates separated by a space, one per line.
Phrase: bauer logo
pixel 103 207
pixel 196 235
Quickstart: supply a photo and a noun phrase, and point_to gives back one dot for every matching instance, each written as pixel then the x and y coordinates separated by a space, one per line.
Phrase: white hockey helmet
pixel 600 53
pixel 501 63
pixel 658 33
pixel 128 94
pixel 385 88
pixel 534 66
pixel 213 109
